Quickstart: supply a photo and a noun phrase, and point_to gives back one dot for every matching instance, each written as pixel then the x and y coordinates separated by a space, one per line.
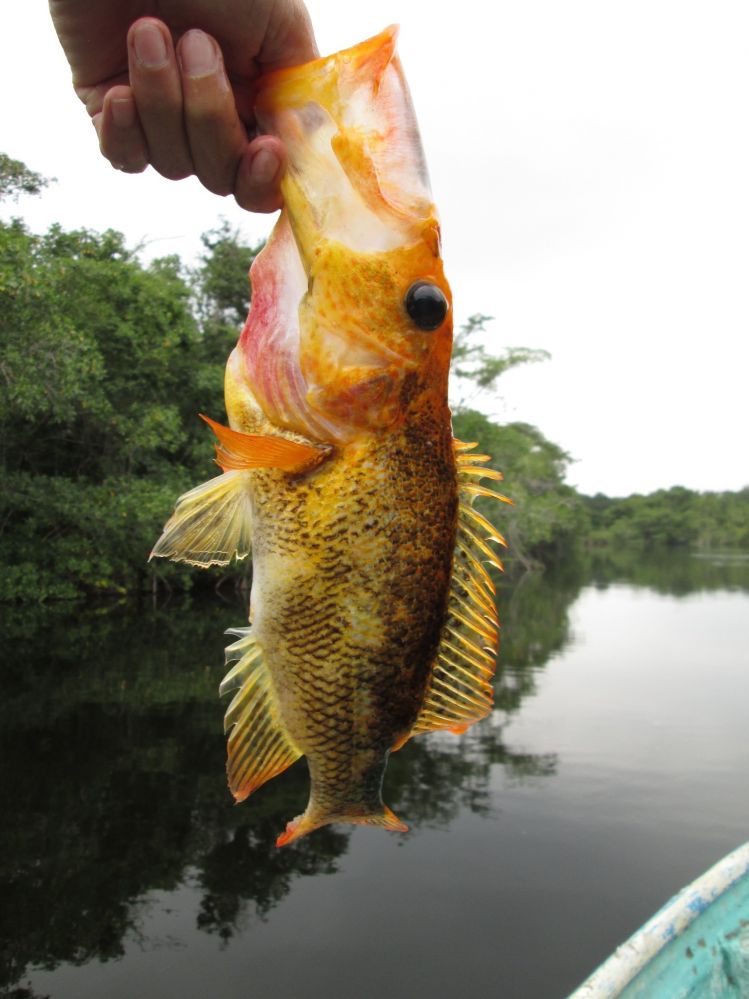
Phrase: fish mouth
pixel 356 170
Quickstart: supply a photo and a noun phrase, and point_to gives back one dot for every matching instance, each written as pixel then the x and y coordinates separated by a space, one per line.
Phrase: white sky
pixel 590 161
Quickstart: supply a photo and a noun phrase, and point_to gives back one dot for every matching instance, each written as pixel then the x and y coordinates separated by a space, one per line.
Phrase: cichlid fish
pixel 371 610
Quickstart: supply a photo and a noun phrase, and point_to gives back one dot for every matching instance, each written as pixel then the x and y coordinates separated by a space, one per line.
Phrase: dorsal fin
pixel 259 747
pixel 460 691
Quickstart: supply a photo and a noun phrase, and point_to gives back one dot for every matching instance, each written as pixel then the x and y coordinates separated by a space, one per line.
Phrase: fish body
pixel 351 571
pixel 371 614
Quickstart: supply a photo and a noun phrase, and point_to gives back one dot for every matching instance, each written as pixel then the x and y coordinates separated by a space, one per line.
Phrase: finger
pixel 292 40
pixel 93 97
pixel 154 76
pixel 216 136
pixel 121 138
pixel 259 175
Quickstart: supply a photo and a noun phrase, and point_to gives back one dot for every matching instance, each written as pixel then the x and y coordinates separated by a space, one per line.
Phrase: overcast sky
pixel 590 162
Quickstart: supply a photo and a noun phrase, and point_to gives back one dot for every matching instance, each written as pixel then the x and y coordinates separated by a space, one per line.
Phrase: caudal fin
pixel 313 819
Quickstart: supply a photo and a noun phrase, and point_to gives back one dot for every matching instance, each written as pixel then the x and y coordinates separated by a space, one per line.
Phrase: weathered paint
pixel 695 947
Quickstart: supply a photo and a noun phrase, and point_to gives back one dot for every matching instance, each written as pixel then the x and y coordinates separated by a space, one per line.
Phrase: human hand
pixel 175 91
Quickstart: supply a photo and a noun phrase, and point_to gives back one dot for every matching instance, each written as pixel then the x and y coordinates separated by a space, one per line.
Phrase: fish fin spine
pixel 211 523
pixel 459 692
pixel 259 748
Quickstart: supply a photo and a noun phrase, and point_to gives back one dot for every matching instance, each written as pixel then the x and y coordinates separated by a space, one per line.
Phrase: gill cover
pixel 329 342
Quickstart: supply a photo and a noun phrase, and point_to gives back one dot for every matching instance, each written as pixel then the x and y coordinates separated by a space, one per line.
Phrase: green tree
pixel 546 514
pixel 96 386
pixel 220 291
pixel 17 179
pixel 671 518
pixel 220 283
pixel 474 369
pixel 104 365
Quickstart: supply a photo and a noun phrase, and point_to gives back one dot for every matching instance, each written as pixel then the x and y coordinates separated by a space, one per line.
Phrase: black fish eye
pixel 426 305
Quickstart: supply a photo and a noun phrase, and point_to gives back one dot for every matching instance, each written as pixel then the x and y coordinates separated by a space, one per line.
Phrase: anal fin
pixel 259 747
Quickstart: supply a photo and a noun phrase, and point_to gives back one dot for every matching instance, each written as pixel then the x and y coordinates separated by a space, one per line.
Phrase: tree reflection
pixel 535 628
pixel 21 992
pixel 677 573
pixel 243 869
pixel 111 756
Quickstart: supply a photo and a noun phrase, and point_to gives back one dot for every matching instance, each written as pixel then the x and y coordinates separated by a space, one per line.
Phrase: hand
pixel 176 92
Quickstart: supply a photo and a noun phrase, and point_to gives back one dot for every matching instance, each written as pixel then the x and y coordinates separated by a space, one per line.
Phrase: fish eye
pixel 426 305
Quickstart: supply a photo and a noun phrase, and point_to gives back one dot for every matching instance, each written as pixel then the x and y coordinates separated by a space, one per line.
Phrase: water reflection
pixel 22 992
pixel 535 628
pixel 111 756
pixel 675 573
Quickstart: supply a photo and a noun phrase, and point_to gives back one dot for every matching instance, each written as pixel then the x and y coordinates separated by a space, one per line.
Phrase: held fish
pixel 371 612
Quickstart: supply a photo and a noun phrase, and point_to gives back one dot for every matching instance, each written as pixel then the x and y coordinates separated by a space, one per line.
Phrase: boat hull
pixel 695 947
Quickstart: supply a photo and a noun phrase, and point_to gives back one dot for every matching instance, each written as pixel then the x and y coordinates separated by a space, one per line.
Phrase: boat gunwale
pixel 633 956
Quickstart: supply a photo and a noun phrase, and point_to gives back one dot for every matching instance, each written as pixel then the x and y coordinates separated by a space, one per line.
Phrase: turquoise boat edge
pixel 632 957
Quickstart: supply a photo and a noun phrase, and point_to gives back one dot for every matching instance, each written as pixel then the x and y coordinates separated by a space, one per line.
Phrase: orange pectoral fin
pixel 237 451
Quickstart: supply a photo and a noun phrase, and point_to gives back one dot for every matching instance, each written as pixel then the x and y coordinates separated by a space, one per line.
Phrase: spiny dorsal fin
pixel 210 524
pixel 460 690
pixel 259 747
pixel 242 451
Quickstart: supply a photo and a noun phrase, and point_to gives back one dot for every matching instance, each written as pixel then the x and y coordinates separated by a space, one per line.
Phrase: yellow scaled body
pixel 371 614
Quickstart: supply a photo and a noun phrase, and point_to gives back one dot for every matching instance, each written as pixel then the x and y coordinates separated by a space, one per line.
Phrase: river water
pixel 613 770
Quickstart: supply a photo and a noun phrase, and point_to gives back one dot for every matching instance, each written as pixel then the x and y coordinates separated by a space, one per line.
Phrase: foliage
pixel 474 369
pixel 672 518
pixel 104 366
pixel 220 283
pixel 17 179
pixel 546 515
pixel 63 535
pixel 105 363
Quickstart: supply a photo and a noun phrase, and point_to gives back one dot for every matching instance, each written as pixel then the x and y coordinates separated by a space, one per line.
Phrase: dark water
pixel 614 769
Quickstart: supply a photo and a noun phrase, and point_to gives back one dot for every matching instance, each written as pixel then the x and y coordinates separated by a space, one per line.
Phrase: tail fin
pixel 313 819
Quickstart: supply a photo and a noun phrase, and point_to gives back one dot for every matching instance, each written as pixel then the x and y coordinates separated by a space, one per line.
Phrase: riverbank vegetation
pixel 105 363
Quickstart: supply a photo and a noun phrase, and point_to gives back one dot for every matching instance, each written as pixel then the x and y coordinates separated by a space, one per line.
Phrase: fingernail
pixel 198 54
pixel 264 167
pixel 150 48
pixel 123 112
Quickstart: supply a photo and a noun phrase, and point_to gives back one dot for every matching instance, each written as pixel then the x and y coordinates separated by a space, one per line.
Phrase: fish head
pixel 350 323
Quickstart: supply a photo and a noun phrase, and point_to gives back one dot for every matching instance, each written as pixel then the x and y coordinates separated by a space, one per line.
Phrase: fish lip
pixel 387 37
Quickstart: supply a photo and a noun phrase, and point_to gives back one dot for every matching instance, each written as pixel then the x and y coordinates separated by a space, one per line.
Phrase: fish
pixel 371 612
